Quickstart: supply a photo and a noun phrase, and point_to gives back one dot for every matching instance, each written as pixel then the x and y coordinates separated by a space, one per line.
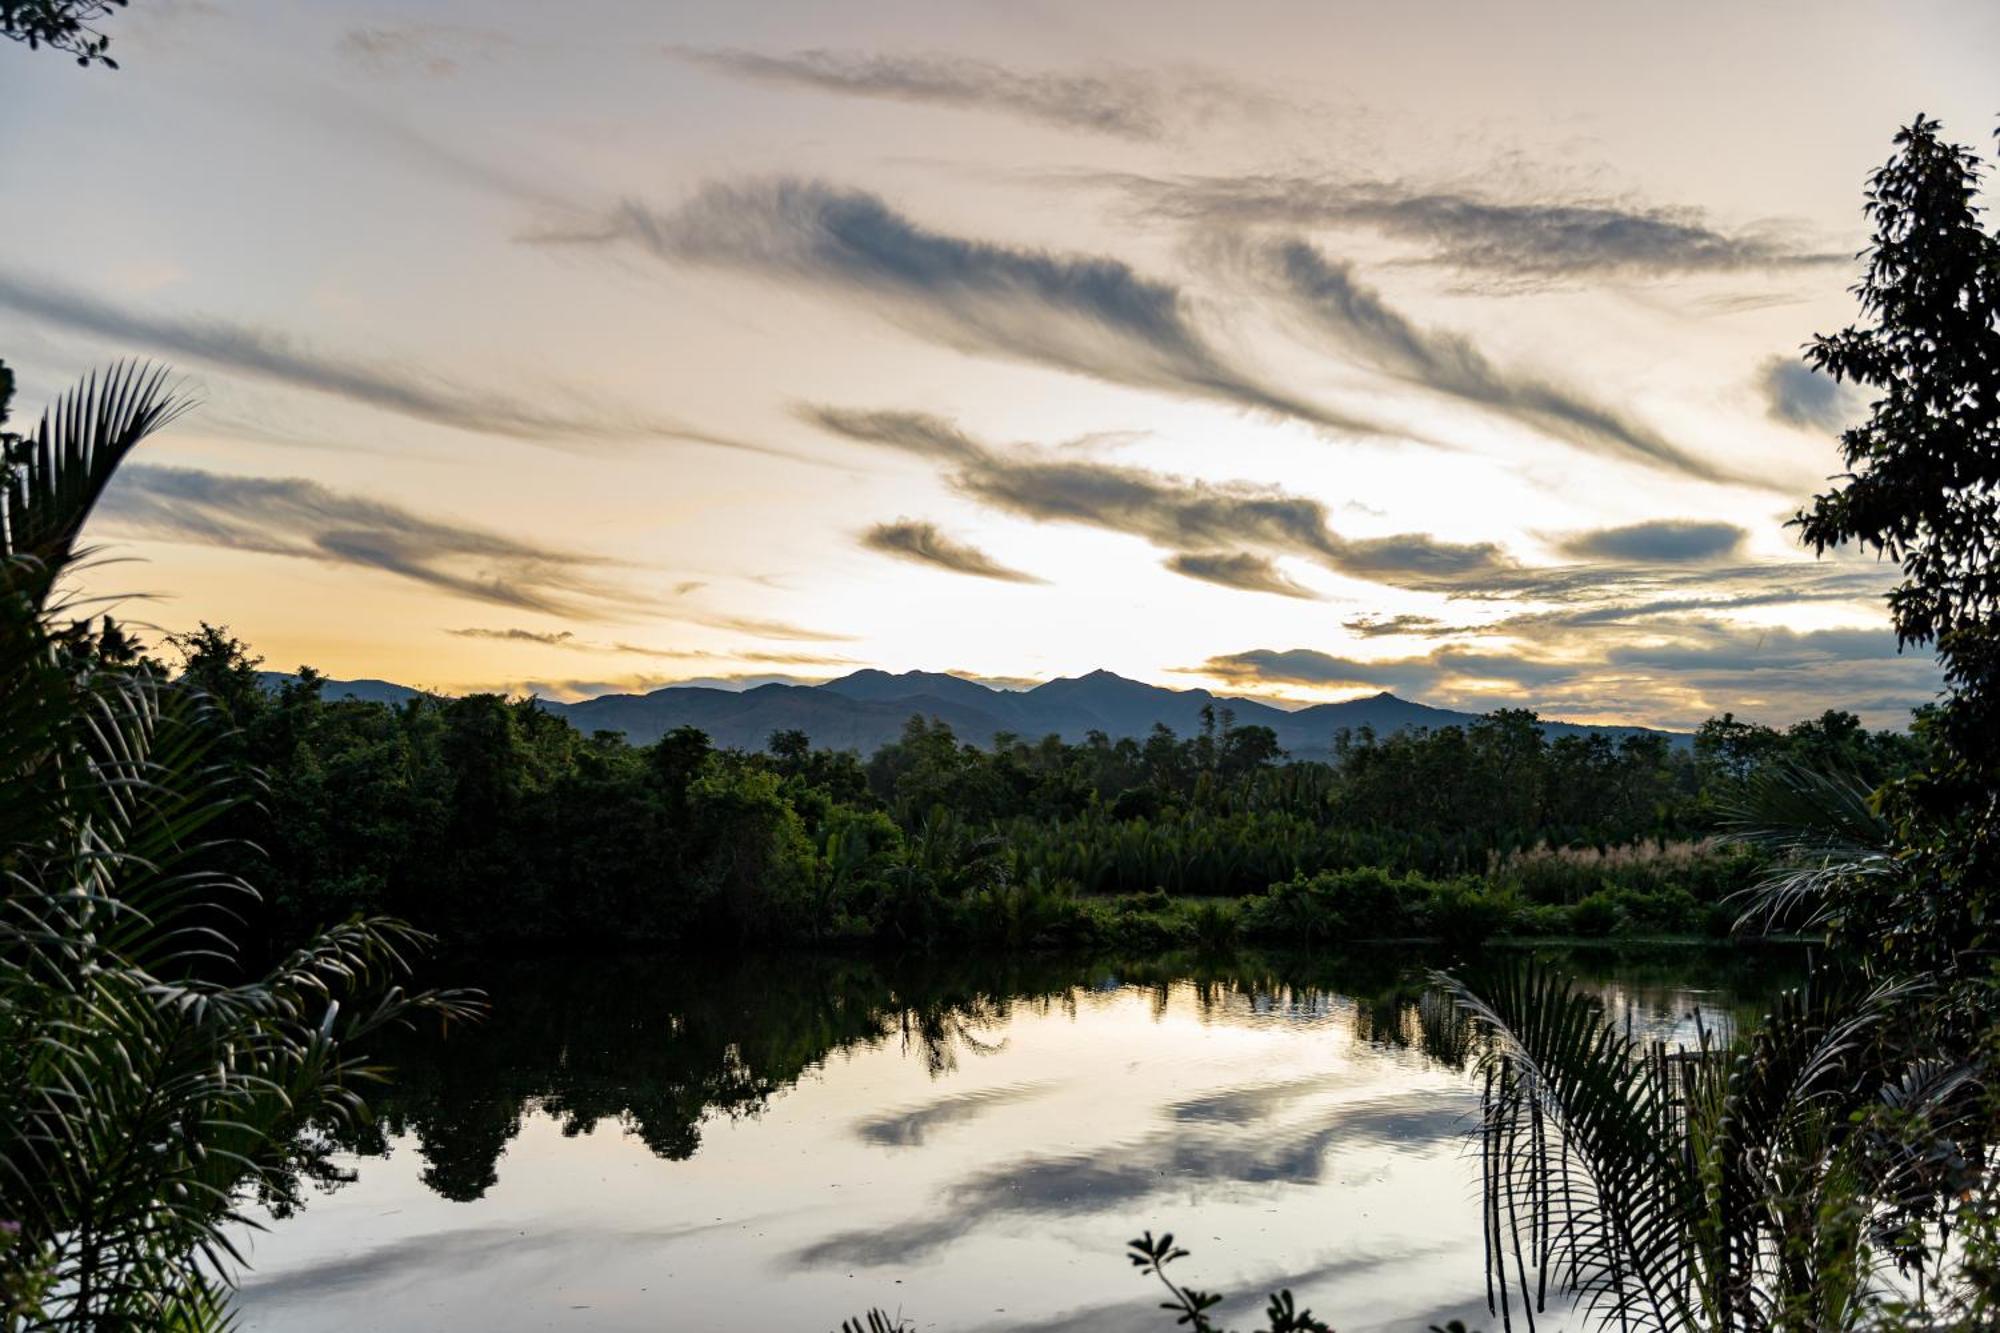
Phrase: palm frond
pixel 57 475
pixel 1728 1186
pixel 1823 832
pixel 147 1086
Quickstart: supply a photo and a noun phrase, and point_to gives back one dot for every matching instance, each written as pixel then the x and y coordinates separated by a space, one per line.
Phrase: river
pixel 670 1144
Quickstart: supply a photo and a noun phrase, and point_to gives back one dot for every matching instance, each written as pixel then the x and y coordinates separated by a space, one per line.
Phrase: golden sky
pixel 1295 349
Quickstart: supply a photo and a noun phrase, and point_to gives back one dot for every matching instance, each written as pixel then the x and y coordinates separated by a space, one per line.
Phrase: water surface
pixel 658 1144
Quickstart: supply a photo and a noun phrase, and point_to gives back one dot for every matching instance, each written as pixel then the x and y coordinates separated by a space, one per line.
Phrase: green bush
pixel 1596 916
pixel 1216 925
pixel 1338 904
pixel 1466 911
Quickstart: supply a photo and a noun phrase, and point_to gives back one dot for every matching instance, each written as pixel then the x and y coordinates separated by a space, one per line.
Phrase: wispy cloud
pixel 1549 239
pixel 765 629
pixel 1212 523
pixel 1660 541
pixel 269 355
pixel 1376 627
pixel 1355 317
pixel 434 49
pixel 547 638
pixel 291 516
pixel 1621 590
pixel 1126 103
pixel 1086 314
pixel 1798 395
pixel 1671 671
pixel 1240 570
pixel 295 517
pixel 569 642
pixel 577 690
pixel 923 543
pixel 1421 675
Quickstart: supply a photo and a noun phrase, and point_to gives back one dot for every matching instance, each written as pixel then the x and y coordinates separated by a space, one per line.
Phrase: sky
pixel 1298 350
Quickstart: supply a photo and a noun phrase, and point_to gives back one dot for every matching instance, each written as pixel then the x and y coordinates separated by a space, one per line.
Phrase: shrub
pixel 1467 911
pixel 1359 904
pixel 1596 916
pixel 1216 925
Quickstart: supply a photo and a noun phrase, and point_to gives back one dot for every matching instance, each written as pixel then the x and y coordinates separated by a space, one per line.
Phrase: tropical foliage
pixel 153 1070
pixel 1833 1167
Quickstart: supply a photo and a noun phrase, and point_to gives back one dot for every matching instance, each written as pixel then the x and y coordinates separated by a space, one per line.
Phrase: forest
pixel 495 825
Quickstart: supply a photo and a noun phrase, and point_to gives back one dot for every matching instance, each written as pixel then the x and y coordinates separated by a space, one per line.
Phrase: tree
pixel 61 25
pixel 1833 1167
pixel 1922 487
pixel 790 748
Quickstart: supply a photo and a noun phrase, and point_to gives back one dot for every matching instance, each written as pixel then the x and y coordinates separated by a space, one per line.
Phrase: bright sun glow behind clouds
pixel 1299 348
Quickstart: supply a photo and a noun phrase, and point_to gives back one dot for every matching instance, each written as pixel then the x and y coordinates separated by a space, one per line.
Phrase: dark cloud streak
pixel 1240 570
pixel 1664 541
pixel 291 516
pixel 922 543
pixel 1533 240
pixel 265 354
pixel 1335 303
pixel 1797 395
pixel 1206 524
pixel 1125 103
pixel 1085 314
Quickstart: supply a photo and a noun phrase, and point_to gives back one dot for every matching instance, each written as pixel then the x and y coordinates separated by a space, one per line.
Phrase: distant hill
pixel 367 691
pixel 867 709
pixel 864 710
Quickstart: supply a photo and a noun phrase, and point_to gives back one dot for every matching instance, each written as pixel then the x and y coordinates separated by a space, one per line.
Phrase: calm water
pixel 649 1144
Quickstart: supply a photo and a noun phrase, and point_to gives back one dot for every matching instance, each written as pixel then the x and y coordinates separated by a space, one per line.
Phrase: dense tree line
pixel 496 824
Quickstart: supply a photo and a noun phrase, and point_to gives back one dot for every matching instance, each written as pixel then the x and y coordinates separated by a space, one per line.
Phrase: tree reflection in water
pixel 660 1046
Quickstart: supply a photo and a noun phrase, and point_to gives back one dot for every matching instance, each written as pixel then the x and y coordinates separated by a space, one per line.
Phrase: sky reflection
pixel 620 1149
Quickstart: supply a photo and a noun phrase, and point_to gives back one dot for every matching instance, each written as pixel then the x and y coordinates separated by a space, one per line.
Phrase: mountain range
pixel 867 709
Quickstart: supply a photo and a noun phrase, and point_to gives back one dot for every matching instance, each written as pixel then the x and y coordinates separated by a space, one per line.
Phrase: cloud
pixel 265 354
pixel 1717 646
pixel 1250 573
pixel 567 640
pixel 1798 395
pixel 547 638
pixel 1463 230
pixel 1660 541
pixel 1126 103
pixel 1212 523
pixel 1327 293
pixel 1084 314
pixel 1664 673
pixel 291 516
pixel 1372 627
pixel 437 50
pixel 1604 592
pixel 908 539
pixel 765 629
pixel 1313 668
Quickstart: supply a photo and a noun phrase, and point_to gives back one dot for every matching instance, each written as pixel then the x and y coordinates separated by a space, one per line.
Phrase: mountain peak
pixel 869 707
